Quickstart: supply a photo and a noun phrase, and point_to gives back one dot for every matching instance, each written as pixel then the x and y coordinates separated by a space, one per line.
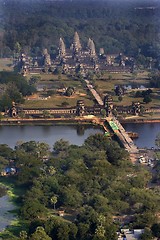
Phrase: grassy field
pixel 104 85
pixel 108 82
pixel 6 64
pixel 56 100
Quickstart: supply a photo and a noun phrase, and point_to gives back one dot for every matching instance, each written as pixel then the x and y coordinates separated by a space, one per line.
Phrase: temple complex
pixel 75 58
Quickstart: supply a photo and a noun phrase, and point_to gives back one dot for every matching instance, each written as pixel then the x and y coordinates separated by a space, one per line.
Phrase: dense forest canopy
pixel 131 27
pixel 95 184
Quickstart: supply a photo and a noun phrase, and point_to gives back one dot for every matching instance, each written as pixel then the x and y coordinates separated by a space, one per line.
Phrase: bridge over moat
pixel 115 125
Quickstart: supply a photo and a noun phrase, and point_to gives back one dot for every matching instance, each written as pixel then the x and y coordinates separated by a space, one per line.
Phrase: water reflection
pixel 147 133
pixel 10 135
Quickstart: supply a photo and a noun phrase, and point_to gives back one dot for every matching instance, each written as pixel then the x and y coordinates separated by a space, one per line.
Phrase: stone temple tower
pixel 47 58
pixel 91 47
pixel 89 43
pixel 62 48
pixel 76 43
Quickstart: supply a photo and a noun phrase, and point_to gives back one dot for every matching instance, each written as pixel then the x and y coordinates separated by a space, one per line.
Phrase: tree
pixel 69 91
pixel 39 149
pixel 147 99
pixel 23 235
pixel 156 230
pixel 40 234
pixel 6 151
pixel 71 197
pixel 147 235
pixel 30 167
pixel 83 231
pixel 54 201
pixel 99 233
pixel 17 48
pixel 32 210
pixel 60 146
pixel 63 231
pixel 51 170
pixel 46 114
pixel 120 98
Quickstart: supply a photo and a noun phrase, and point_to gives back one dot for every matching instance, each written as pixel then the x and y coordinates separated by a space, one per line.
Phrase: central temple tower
pixel 76 43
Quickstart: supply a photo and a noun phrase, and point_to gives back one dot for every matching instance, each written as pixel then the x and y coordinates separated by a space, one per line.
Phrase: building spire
pixel 91 47
pixel 76 43
pixel 62 48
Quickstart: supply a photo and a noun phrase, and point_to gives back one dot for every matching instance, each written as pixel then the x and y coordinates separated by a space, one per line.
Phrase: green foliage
pixel 29 167
pixel 147 99
pixel 39 234
pixel 60 146
pixel 33 209
pixel 69 91
pixel 156 229
pixel 23 235
pixel 114 154
pixel 39 149
pixel 115 27
pixel 19 81
pixel 16 88
pixel 144 220
pixel 6 151
pixel 54 201
pixel 120 98
pixel 91 183
pixel 147 235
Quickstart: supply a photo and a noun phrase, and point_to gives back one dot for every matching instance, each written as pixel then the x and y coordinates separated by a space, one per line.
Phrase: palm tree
pixel 54 201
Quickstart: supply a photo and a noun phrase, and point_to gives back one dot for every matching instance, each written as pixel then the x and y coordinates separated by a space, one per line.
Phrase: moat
pixel 10 135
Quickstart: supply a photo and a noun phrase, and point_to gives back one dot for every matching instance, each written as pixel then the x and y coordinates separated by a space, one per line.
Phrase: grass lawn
pixel 6 64
pixel 57 100
pixel 52 82
pixel 105 85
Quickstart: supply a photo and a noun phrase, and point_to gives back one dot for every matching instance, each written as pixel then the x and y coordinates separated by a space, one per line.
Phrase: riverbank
pixel 146 118
pixel 84 120
pixel 48 121
pixel 139 120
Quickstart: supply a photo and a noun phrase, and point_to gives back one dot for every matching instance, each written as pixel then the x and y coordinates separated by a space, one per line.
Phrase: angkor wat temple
pixel 76 58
